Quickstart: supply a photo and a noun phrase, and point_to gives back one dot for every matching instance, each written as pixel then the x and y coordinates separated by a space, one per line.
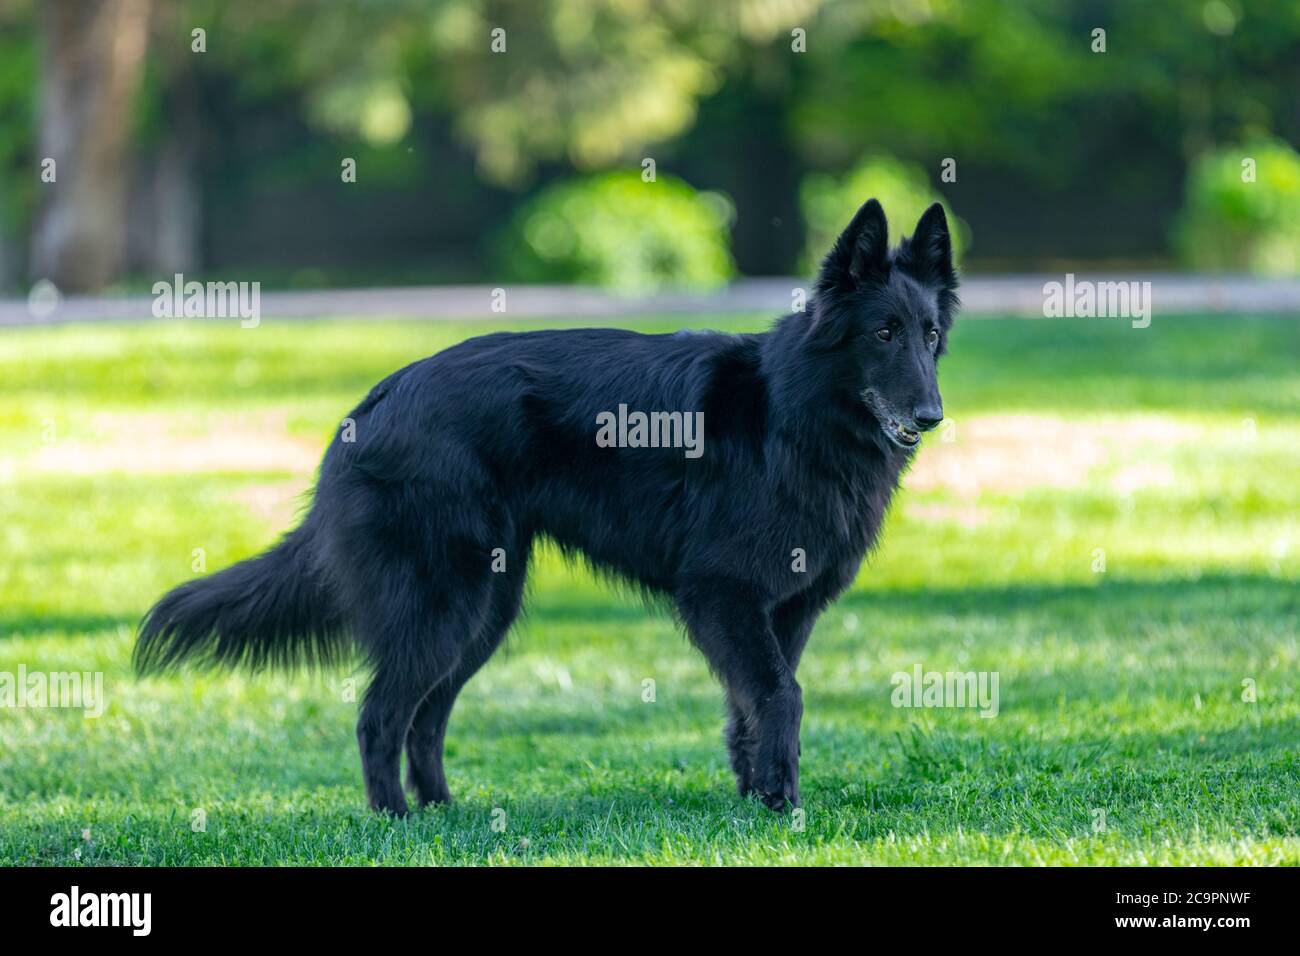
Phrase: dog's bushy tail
pixel 268 611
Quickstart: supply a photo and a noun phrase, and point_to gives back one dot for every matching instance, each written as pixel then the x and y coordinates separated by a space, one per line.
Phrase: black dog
pixel 429 501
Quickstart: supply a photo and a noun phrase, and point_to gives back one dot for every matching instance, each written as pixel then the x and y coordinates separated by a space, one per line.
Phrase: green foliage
pixel 1242 210
pixel 1013 89
pixel 618 231
pixel 829 202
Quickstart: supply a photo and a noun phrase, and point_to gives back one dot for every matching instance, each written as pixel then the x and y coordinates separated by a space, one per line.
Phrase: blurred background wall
pixel 512 141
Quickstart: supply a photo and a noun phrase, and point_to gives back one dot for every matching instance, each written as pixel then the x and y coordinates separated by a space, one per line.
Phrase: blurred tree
pixel 165 226
pixel 619 231
pixel 92 59
pixel 586 83
pixel 1243 210
pixel 17 109
pixel 1043 129
pixel 902 188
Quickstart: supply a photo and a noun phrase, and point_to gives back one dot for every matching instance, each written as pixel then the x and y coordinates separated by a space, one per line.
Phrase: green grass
pixel 1174 450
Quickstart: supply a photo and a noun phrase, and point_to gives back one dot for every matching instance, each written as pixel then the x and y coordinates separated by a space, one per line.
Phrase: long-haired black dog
pixel 418 538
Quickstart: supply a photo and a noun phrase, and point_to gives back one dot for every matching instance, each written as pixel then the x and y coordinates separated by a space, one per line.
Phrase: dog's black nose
pixel 928 417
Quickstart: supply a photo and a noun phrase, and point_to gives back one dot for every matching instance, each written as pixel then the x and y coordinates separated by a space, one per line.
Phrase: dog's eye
pixel 933 338
pixel 884 334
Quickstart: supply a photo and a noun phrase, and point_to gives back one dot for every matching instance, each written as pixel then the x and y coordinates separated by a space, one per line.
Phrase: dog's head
pixel 886 314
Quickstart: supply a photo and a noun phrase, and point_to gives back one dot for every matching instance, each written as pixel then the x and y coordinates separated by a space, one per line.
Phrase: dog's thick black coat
pixel 417 542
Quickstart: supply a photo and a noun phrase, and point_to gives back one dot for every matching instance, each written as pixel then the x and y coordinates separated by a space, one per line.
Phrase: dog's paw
pixel 777 802
pixel 779 790
pixel 391 803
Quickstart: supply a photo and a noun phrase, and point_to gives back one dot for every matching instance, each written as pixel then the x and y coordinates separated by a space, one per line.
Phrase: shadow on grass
pixel 1208 593
pixel 1156 598
pixel 76 625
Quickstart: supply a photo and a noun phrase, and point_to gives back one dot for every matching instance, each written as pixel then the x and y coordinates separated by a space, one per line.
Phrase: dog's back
pixel 512 421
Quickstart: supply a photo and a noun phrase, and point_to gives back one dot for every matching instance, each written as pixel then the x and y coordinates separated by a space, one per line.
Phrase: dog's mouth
pixel 900 434
pixel 893 427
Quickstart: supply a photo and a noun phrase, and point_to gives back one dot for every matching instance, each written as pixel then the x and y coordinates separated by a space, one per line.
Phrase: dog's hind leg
pixel 426 644
pixel 730 623
pixel 424 740
pixel 390 704
pixel 416 619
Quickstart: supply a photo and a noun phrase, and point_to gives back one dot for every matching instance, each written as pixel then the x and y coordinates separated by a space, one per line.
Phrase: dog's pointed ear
pixel 927 256
pixel 929 252
pixel 861 251
pixel 869 232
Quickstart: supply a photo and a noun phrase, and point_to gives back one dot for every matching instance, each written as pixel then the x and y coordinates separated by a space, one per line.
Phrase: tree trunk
pixel 166 210
pixel 163 230
pixel 92 59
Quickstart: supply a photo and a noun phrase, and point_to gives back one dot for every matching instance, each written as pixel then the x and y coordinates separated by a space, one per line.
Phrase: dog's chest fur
pixel 834 528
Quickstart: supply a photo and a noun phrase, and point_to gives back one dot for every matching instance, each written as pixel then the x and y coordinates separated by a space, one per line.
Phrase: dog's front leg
pixel 793 619
pixel 739 745
pixel 730 622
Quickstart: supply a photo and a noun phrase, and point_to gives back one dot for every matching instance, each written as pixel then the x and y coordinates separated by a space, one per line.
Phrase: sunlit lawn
pixel 1168 456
